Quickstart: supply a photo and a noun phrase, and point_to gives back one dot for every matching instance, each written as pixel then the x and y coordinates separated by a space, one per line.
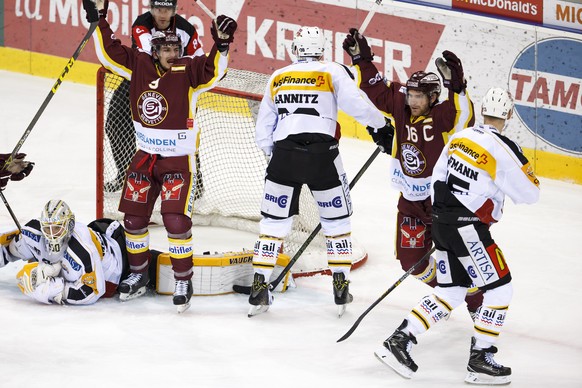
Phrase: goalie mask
pixel 427 83
pixel 165 38
pixel 56 224
pixel 497 103
pixel 308 42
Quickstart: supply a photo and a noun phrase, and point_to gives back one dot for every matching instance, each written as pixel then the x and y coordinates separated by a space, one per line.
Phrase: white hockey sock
pixel 430 310
pixel 265 255
pixel 339 253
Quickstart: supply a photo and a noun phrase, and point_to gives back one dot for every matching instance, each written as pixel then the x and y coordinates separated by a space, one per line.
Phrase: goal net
pixel 231 168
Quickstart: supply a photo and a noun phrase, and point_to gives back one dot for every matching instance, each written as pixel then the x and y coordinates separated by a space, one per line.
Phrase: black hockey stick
pixel 54 89
pixel 385 294
pixel 10 211
pixel 275 283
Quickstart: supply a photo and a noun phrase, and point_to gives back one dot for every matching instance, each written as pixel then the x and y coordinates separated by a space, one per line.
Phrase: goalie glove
pixel 34 283
pixel 357 47
pixel 451 70
pixel 222 31
pixel 383 136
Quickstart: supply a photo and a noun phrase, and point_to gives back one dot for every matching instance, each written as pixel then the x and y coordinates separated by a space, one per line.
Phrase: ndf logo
pixel 546 82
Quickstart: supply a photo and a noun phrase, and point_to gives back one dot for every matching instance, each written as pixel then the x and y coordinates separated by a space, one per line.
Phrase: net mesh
pixel 231 169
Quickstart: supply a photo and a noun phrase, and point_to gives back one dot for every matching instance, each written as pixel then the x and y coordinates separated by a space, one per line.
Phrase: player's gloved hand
pixel 222 31
pixel 95 9
pixel 383 136
pixel 49 290
pixel 17 169
pixel 357 47
pixel 451 69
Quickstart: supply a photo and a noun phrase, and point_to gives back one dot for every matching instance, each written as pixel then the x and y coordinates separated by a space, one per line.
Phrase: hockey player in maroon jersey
pixel 476 170
pixel 423 125
pixel 163 86
pixel 119 126
pixel 15 170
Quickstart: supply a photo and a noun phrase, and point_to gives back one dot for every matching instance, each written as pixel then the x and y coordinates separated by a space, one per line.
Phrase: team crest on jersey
pixel 152 107
pixel 413 233
pixel 413 160
pixel 137 188
pixel 172 187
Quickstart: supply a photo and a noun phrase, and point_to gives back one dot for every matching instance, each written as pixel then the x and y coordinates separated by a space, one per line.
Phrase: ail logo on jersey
pixel 137 188
pixel 152 108
pixel 548 91
pixel 172 187
pixel 413 233
pixel 413 161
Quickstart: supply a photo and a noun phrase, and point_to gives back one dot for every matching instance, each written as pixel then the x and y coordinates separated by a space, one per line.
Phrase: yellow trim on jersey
pixel 97 243
pixel 474 154
pixel 216 70
pixel 317 81
pixel 111 64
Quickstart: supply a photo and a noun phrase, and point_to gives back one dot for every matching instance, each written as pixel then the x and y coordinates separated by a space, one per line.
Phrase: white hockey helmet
pixel 497 103
pixel 308 42
pixel 57 222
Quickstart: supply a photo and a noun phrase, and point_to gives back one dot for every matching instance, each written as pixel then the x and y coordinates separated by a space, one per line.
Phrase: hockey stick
pixel 206 10
pixel 303 247
pixel 54 89
pixel 369 17
pixel 385 294
pixel 10 211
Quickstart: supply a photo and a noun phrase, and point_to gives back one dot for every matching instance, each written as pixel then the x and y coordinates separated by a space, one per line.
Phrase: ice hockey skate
pixel 395 352
pixel 483 370
pixel 133 287
pixel 341 292
pixel 261 297
pixel 182 294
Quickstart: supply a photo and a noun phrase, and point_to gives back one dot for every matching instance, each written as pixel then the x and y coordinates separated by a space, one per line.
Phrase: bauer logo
pixel 548 91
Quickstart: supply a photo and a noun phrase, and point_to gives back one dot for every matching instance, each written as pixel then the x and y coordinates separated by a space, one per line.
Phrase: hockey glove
pixel 356 45
pixel 49 290
pixel 451 70
pixel 383 136
pixel 222 31
pixel 17 169
pixel 95 9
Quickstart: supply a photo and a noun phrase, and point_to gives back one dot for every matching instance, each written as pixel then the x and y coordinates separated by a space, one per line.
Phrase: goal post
pixel 231 168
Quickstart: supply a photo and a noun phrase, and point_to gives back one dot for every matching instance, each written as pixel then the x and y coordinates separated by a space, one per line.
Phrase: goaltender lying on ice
pixel 73 263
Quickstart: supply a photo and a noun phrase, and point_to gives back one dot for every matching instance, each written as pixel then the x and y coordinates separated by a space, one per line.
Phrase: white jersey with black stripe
pixel 480 166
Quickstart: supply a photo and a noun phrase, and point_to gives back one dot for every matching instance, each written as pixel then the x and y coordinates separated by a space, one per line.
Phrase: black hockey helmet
pixel 428 83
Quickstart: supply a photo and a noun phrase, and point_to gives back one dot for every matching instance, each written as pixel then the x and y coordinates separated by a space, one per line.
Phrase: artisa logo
pixel 546 82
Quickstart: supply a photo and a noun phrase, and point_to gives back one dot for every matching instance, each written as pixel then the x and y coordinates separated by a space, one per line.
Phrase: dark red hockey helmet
pixel 428 83
pixel 165 38
pixel 164 3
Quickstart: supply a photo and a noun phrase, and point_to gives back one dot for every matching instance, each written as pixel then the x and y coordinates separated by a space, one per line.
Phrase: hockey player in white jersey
pixel 297 129
pixel 73 263
pixel 476 170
